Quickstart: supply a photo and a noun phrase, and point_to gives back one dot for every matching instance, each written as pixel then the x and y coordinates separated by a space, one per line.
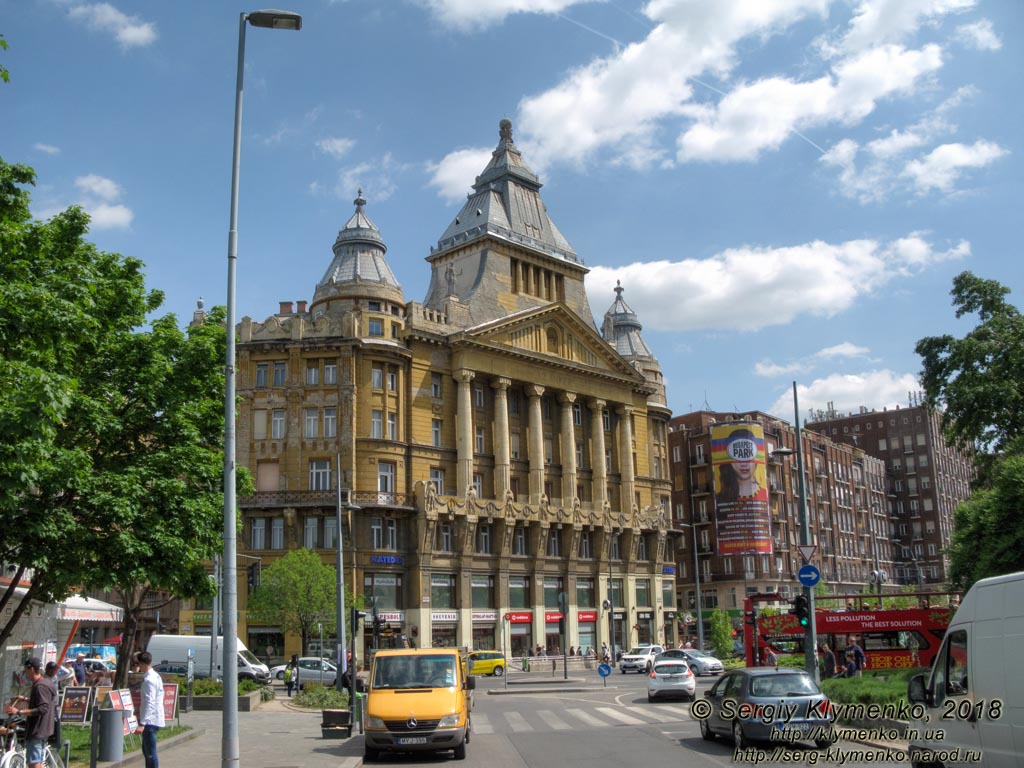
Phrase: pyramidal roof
pixel 621 328
pixel 359 260
pixel 505 202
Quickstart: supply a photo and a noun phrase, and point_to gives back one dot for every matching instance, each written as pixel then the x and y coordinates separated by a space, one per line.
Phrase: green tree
pixel 988 533
pixel 3 70
pixel 978 381
pixel 297 592
pixel 719 636
pixel 111 468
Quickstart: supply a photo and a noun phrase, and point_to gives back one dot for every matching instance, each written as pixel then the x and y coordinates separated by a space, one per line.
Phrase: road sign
pixel 808 575
pixel 807 551
pixel 604 670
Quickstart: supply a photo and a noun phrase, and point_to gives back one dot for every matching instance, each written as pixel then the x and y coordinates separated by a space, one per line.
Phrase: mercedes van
pixel 970 706
pixel 418 700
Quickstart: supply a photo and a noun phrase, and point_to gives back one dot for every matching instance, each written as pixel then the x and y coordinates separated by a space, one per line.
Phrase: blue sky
pixel 785 188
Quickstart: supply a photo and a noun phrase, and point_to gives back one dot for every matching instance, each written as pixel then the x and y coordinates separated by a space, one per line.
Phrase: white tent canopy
pixel 79 608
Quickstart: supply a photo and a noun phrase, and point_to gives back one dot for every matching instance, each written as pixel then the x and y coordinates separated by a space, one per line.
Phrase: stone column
pixel 597 450
pixel 568 443
pixel 626 456
pixel 464 432
pixel 534 392
pixel 502 450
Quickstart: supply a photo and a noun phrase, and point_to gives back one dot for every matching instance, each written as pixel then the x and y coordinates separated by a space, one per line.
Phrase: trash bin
pixel 111 735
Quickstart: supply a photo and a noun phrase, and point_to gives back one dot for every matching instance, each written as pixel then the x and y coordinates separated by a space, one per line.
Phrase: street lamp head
pixel 780 452
pixel 273 19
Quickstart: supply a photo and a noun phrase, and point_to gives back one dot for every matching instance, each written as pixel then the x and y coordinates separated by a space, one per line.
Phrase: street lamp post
pixel 341 658
pixel 229 740
pixel 811 634
pixel 696 578
pixel 879 576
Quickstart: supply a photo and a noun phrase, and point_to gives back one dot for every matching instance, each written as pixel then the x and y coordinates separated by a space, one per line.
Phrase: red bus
pixel 892 638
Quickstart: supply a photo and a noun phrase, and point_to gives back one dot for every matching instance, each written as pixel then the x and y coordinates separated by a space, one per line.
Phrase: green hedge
pixel 316 696
pixel 882 687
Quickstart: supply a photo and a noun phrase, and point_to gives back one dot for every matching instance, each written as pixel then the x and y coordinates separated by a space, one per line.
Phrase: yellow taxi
pixel 487 663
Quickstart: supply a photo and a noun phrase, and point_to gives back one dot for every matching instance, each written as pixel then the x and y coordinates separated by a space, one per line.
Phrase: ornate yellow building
pixel 502 449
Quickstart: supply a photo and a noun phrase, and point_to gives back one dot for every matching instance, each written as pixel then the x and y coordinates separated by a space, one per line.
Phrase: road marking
pixel 553 721
pixel 517 722
pixel 481 725
pixel 586 717
pixel 681 713
pixel 622 717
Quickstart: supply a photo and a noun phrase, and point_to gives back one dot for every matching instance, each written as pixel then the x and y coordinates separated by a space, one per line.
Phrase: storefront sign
pixel 521 617
pixel 668 569
pixel 485 615
pixel 450 616
pixel 644 615
pixel 550 616
pixel 398 616
pixel 586 615
pixel 387 559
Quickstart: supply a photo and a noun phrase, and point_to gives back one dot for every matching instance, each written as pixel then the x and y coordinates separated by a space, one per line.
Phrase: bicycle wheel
pixel 53 759
pixel 13 760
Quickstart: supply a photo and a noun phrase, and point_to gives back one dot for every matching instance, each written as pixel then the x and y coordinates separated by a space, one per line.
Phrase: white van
pixel 973 698
pixel 171 652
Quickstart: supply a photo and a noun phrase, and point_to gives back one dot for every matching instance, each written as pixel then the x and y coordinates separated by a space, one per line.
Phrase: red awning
pixel 115 640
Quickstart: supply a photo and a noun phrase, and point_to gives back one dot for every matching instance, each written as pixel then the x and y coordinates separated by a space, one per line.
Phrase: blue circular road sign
pixel 808 575
pixel 604 670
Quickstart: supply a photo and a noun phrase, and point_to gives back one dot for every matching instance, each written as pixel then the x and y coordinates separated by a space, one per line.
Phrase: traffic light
pixel 254 574
pixel 752 617
pixel 357 615
pixel 801 610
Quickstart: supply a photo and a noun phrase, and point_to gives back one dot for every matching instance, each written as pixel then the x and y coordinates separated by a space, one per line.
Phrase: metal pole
pixel 611 604
pixel 214 615
pixel 341 658
pixel 229 738
pixel 811 634
pixel 700 605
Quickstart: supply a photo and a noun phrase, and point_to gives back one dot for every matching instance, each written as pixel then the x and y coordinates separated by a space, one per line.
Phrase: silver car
pixel 671 678
pixel 700 663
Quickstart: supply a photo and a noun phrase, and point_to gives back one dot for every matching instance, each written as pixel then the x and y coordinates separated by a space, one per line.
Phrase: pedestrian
pixel 151 708
pixel 604 652
pixel 79 669
pixel 58 674
pixel 828 660
pixel 572 651
pixel 41 712
pixel 289 676
pixel 771 660
pixel 858 655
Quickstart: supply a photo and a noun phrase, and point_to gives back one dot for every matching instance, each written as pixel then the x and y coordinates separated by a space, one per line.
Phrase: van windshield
pixel 414 671
pixel 248 656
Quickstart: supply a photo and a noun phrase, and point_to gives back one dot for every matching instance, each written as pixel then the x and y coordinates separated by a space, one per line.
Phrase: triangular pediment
pixel 556 335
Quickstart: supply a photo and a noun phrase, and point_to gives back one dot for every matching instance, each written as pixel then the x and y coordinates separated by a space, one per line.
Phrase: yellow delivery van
pixel 419 699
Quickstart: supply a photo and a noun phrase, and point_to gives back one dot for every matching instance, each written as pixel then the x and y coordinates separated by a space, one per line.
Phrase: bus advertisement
pixel 892 638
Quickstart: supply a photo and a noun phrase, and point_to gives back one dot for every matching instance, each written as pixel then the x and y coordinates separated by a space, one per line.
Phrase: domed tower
pixel 621 328
pixel 359 275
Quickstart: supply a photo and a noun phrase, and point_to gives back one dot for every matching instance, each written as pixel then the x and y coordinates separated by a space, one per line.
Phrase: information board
pixel 74 707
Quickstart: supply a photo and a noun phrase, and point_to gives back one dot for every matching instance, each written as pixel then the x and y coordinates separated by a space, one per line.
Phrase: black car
pixel 748 704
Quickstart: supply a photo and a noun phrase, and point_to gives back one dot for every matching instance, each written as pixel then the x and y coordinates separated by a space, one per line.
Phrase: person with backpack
pixel 290 675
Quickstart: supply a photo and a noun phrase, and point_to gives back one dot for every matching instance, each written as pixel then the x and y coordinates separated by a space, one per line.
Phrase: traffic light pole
pixel 811 633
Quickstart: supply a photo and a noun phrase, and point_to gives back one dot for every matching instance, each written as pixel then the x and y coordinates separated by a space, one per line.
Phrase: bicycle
pixel 13 753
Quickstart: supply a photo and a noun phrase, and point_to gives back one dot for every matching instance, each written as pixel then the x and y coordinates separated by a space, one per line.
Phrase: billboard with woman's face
pixel 743 522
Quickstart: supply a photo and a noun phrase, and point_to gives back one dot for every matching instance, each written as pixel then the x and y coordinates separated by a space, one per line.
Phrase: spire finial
pixel 359 202
pixel 505 130
pixel 618 289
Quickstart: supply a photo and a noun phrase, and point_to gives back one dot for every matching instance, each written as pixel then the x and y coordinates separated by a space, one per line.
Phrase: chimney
pixel 301 307
pixel 286 308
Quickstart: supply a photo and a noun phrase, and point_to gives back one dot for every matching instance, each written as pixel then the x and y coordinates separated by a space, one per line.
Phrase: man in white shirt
pixel 151 708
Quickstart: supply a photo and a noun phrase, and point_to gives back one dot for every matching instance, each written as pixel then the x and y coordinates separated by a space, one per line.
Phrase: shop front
pixel 552 635
pixel 444 628
pixel 520 632
pixel 644 627
pixel 484 630
pixel 586 622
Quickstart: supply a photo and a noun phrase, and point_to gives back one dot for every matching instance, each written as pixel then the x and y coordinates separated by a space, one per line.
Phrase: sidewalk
pixel 273 736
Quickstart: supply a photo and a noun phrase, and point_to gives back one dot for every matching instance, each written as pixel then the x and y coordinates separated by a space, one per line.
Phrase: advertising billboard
pixel 743 522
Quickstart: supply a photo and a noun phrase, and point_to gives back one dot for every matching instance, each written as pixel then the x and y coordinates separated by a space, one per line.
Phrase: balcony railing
pixel 268 499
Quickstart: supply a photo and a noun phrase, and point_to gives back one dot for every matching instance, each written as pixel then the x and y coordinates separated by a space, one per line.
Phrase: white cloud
pixel 846 393
pixel 941 167
pixel 336 147
pixel 980 35
pixel 769 369
pixel 470 14
pixel 453 177
pixel 47 148
pixel 106 216
pixel 98 186
pixel 749 288
pixel 129 31
pixel 844 349
pixel 885 21
pixel 376 178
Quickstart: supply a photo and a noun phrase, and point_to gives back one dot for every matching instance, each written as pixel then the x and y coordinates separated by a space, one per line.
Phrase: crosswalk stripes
pixel 572 718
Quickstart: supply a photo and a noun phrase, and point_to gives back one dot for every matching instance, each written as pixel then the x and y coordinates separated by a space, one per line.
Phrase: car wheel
pixel 738 739
pixel 499 671
pixel 459 753
pixel 371 755
pixel 826 743
pixel 705 731
pixel 622 670
pixel 650 698
pixel 694 670
pixel 280 675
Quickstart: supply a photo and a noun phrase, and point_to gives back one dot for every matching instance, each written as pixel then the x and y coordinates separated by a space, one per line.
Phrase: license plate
pixel 413 740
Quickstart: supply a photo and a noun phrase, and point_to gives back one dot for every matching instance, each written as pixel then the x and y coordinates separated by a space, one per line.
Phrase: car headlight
pixel 374 722
pixel 449 721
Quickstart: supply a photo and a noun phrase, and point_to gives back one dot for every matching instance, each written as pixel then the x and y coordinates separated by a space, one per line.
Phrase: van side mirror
pixel 470 683
pixel 917 693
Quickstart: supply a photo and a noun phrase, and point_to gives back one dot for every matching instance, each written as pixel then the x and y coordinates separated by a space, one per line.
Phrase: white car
pixel 671 677
pixel 640 659
pixel 310 668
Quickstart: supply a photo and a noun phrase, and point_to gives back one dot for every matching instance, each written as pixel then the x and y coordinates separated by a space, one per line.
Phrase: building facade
pixel 846 492
pixel 504 451
pixel 927 479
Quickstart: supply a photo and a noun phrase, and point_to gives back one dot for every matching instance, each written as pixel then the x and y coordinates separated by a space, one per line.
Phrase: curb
pixel 138 757
pixel 588 689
